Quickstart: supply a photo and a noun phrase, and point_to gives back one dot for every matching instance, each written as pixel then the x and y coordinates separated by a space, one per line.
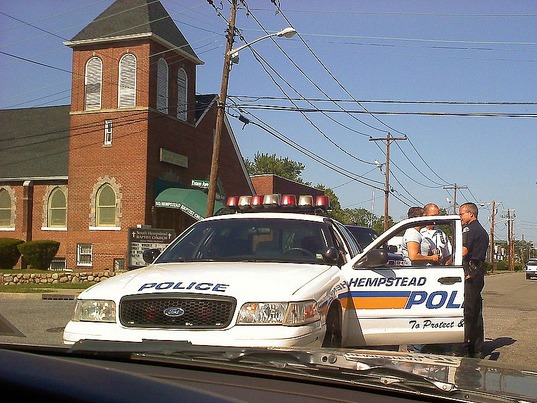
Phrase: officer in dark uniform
pixel 475 242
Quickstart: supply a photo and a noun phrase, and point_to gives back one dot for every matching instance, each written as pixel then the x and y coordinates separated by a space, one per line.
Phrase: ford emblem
pixel 174 312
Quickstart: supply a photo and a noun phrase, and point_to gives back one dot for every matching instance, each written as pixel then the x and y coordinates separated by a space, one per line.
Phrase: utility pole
pixel 491 253
pixel 455 188
pixel 511 240
pixel 492 227
pixel 388 139
pixel 211 194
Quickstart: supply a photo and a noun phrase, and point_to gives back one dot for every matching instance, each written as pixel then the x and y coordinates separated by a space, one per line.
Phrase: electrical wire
pixel 280 136
pixel 254 52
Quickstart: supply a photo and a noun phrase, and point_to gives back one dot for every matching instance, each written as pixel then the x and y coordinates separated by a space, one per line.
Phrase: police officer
pixel 475 242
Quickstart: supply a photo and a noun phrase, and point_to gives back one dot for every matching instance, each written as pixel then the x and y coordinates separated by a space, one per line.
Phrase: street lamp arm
pixel 287 33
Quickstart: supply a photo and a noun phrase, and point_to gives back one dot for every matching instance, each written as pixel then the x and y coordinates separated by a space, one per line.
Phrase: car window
pixel 351 241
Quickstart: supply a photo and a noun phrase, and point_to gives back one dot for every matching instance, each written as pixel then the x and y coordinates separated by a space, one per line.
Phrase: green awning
pixel 190 201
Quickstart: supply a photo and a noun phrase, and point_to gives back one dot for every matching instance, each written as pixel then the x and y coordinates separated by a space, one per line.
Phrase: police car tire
pixel 332 337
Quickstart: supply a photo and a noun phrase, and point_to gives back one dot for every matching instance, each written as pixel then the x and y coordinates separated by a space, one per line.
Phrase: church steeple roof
pixel 131 19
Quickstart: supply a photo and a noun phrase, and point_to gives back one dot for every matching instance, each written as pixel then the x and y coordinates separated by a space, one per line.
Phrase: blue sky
pixel 458 78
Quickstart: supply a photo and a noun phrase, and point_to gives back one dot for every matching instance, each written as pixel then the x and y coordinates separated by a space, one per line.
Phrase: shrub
pixel 502 265
pixel 39 254
pixel 9 253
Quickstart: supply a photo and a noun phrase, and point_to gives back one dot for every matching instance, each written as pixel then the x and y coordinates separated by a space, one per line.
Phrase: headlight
pixel 278 313
pixel 95 311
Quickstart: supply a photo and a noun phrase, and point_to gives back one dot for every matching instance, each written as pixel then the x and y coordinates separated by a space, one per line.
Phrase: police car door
pixel 392 304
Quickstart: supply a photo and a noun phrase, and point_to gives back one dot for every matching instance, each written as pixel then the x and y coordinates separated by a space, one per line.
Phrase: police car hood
pixel 252 280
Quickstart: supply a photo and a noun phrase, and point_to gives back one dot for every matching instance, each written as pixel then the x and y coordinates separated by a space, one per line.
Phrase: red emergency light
pixel 256 202
pixel 277 202
pixel 288 201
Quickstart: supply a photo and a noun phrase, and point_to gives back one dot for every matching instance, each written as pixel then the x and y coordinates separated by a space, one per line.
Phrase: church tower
pixel 133 99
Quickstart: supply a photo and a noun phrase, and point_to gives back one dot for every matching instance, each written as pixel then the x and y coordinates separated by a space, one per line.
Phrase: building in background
pixel 133 150
pixel 270 184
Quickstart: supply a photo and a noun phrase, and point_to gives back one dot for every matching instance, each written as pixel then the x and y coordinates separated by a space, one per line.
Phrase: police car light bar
pixel 277 202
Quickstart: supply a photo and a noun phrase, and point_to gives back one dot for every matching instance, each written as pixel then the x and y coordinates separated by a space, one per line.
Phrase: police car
pixel 278 272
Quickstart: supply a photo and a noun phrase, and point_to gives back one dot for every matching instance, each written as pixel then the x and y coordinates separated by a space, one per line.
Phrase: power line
pixel 384 101
pixel 334 167
pixel 264 64
pixel 326 69
pixel 352 112
pixel 34 62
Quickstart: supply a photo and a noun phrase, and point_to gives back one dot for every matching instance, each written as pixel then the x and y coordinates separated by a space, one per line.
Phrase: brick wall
pixel 269 184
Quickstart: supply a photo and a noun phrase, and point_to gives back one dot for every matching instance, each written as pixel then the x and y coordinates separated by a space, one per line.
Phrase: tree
pixel 364 218
pixel 271 164
pixel 524 250
pixel 292 170
pixel 359 216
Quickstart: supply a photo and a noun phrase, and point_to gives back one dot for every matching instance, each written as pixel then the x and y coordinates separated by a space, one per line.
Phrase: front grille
pixel 176 311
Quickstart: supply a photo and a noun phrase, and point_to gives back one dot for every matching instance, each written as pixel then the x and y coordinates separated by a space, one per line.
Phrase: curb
pixel 65 295
pixel 58 297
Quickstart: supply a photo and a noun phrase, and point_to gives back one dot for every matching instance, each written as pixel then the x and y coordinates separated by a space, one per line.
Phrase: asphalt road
pixel 510 312
pixel 28 319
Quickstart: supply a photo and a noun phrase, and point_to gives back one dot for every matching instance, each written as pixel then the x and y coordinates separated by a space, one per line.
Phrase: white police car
pixel 275 273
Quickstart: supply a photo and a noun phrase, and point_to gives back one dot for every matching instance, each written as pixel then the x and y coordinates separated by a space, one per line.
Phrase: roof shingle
pixel 35 142
pixel 127 18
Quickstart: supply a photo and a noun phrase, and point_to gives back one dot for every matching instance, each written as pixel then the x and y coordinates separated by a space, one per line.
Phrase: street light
pixel 230 53
pixel 286 33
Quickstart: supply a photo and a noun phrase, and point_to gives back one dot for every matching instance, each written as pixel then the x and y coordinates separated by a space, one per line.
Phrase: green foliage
pixel 292 170
pixel 9 253
pixel 365 218
pixel 40 253
pixel 502 265
pixel 359 216
pixel 524 249
pixel 271 164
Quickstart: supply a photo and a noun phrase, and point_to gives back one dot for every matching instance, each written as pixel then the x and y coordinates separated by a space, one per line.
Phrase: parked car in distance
pixel 363 235
pixel 531 269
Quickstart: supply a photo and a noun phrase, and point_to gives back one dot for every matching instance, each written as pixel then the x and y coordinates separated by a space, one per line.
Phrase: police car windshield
pixel 267 239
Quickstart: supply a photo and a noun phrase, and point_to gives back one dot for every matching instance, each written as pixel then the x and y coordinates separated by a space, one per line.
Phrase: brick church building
pixel 133 150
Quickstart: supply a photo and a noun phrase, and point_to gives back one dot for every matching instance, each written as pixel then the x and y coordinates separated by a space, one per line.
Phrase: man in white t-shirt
pixel 437 238
pixel 416 251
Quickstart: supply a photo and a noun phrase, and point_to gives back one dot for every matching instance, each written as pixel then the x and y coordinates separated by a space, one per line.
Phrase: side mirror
pixel 331 255
pixel 392 248
pixel 374 258
pixel 149 255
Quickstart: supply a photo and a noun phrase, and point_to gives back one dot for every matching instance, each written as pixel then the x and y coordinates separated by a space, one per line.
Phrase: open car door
pixel 392 304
